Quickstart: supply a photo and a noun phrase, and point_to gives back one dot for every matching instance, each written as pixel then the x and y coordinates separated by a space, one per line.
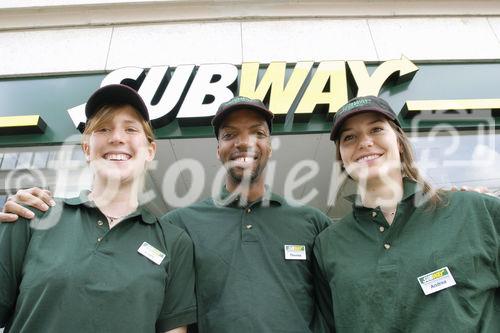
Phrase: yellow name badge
pixel 151 253
pixel 295 252
pixel 435 281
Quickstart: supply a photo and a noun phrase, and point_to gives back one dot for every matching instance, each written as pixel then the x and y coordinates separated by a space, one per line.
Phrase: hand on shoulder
pixel 33 197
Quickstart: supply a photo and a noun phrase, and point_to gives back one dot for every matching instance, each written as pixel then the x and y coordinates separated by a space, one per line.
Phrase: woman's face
pixel 118 148
pixel 369 147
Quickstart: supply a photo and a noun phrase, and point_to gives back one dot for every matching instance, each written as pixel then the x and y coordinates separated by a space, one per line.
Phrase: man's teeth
pixel 117 157
pixel 367 158
pixel 245 159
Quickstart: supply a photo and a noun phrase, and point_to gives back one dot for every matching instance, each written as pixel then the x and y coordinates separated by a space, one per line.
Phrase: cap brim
pixel 114 94
pixel 219 118
pixel 335 132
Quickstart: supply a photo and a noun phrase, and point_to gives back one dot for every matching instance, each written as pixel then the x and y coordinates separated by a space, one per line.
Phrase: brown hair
pixel 106 113
pixel 408 165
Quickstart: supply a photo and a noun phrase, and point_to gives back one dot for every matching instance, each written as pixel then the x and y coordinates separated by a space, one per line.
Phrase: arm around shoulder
pixel 30 198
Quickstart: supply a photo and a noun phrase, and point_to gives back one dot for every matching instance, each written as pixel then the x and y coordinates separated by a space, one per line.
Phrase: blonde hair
pixel 105 114
pixel 408 165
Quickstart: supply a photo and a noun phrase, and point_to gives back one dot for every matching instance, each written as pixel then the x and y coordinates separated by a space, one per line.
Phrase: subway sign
pixel 304 96
pixel 192 94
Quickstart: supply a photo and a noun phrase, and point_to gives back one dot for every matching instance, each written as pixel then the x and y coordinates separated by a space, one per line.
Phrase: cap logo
pixel 354 104
pixel 236 100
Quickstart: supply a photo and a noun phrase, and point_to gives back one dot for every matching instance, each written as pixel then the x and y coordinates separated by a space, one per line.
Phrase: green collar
pixel 227 198
pixel 83 199
pixel 410 188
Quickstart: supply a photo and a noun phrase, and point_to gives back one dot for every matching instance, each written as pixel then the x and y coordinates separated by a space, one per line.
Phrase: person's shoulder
pixel 60 204
pixel 40 219
pixel 341 225
pixel 338 232
pixel 472 197
pixel 50 213
pixel 308 212
pixel 469 200
pixel 178 214
pixel 294 205
pixel 316 213
pixel 172 232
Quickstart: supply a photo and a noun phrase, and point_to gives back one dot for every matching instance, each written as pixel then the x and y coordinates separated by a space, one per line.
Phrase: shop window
pixel 467 159
pixel 24 160
pixel 9 161
pixel 40 160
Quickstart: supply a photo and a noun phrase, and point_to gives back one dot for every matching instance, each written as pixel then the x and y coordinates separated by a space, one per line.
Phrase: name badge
pixel 151 253
pixel 435 281
pixel 295 252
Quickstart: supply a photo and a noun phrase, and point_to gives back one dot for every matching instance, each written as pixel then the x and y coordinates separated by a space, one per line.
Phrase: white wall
pixel 82 37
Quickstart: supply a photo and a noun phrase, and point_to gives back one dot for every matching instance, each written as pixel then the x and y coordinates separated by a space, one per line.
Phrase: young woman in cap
pixel 100 262
pixel 407 259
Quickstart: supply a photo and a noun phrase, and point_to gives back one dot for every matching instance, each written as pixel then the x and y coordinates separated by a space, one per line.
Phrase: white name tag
pixel 151 253
pixel 435 281
pixel 295 252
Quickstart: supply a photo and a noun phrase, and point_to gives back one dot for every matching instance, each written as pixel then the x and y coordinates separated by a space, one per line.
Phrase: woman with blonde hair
pixel 407 259
pixel 100 262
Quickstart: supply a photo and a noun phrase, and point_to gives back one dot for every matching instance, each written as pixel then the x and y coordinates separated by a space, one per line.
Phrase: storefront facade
pixel 435 62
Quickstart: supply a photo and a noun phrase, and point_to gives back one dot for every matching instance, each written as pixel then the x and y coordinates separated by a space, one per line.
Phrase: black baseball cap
pixel 239 103
pixel 115 94
pixel 358 105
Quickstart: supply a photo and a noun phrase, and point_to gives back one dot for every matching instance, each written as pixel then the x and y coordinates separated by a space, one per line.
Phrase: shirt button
pixel 387 246
pixel 248 226
pixel 249 210
pixel 382 229
pixel 99 239
pixel 374 214
pixel 100 222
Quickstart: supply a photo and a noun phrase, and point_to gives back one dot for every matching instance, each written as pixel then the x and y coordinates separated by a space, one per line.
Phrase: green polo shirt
pixel 244 284
pixel 68 272
pixel 372 267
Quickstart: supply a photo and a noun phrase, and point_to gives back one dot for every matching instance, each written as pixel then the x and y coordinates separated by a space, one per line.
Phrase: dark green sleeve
pixel 172 218
pixel 493 204
pixel 179 306
pixel 322 289
pixel 325 221
pixel 320 220
pixel 14 240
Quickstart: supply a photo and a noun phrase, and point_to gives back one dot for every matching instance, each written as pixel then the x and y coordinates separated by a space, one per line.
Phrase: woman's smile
pixel 368 158
pixel 117 156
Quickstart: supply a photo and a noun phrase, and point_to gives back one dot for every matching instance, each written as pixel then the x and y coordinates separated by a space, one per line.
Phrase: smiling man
pixel 253 253
pixel 253 250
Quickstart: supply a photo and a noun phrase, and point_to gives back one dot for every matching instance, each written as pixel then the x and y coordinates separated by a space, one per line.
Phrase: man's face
pixel 244 145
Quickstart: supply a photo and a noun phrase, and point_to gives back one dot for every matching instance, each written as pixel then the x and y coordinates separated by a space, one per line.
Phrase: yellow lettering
pixel 19 121
pixel 22 124
pixel 333 72
pixel 281 97
pixel 411 108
